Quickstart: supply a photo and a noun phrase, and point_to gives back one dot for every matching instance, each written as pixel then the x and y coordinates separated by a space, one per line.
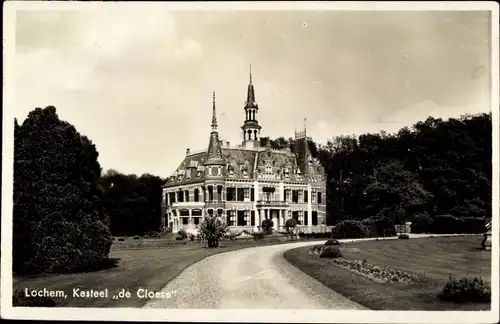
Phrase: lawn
pixel 148 264
pixel 432 259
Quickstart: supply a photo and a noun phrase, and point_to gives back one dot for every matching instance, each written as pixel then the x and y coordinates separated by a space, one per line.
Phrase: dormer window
pixel 269 168
pixel 198 174
pixel 188 173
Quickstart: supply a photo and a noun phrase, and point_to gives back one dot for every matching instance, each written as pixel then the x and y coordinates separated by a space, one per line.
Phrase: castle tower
pixel 214 171
pixel 251 128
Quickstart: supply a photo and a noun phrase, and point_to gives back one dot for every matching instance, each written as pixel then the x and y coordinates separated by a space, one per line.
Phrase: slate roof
pixel 250 164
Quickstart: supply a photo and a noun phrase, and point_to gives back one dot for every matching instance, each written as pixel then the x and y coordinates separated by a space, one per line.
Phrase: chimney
pixel 188 151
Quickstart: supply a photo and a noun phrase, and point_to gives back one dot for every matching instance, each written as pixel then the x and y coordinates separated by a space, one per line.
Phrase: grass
pixel 432 259
pixel 145 263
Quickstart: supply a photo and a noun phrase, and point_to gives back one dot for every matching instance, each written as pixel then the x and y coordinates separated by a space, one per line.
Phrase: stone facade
pixel 246 184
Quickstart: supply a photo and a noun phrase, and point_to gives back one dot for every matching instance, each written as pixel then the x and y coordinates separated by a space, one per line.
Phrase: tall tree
pixel 59 221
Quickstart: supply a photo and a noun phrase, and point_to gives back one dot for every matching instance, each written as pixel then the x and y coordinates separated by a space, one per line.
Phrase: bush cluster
pixel 403 237
pixel 332 242
pixel 350 229
pixel 330 252
pixel 447 224
pixel 466 290
pixel 379 226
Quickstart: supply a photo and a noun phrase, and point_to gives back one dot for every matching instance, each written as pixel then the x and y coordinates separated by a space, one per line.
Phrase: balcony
pixel 272 204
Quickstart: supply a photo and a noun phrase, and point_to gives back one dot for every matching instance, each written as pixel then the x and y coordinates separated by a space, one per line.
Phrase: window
pixel 247 217
pixel 214 171
pixel 252 194
pixel 185 220
pixel 186 195
pixel 231 217
pixel 188 173
pixel 269 168
pixel 252 218
pixel 306 197
pixel 295 196
pixel 196 195
pixel 219 193
pixel 305 218
pixel 210 193
pixel 230 194
pixel 246 193
pixel 319 197
pixel 240 194
pixel 241 218
pixel 301 194
pixel 180 196
pixel 172 197
pixel 314 218
pixel 196 220
pixel 287 195
pixel 196 212
pixel 313 196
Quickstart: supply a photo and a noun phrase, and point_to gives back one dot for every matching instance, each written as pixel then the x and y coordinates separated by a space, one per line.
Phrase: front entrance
pixel 275 218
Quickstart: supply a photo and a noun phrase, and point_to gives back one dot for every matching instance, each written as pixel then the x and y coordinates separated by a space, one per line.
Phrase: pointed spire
pixel 251 93
pixel 214 115
pixel 305 126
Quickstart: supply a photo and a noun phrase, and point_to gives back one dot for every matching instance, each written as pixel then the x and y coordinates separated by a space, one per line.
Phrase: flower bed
pixel 376 273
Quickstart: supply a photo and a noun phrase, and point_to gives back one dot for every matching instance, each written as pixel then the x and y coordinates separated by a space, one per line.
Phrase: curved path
pixel 258 278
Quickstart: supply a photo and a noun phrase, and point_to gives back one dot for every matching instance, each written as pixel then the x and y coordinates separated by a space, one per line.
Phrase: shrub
pixel 466 290
pixel 290 224
pixel 403 237
pixel 258 235
pixel 191 237
pixel 421 223
pixel 179 238
pixel 447 224
pixel 182 233
pixel 19 299
pixel 211 231
pixel 302 234
pixel 330 252
pixel 121 239
pixel 267 224
pixel 473 225
pixel 350 229
pixel 317 249
pixel 379 226
pixel 152 234
pixel 137 237
pixel 332 242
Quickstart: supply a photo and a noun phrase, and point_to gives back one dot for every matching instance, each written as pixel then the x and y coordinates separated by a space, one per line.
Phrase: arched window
pixel 196 195
pixel 255 134
pixel 249 134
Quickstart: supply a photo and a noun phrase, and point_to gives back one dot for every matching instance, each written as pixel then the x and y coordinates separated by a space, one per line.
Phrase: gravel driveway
pixel 252 278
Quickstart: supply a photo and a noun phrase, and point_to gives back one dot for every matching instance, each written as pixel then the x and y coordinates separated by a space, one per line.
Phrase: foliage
pixel 182 233
pixel 134 204
pixel 59 221
pixel 121 239
pixel 466 290
pixel 332 242
pixel 380 226
pixel 258 235
pixel 19 299
pixel 350 229
pixel 267 225
pixel 403 237
pixel 136 237
pixel 330 252
pixel 211 231
pixel 179 238
pixel 421 223
pixel 290 224
pixel 435 167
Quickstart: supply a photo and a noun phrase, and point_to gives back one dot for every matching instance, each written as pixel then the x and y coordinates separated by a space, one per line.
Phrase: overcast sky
pixel 139 83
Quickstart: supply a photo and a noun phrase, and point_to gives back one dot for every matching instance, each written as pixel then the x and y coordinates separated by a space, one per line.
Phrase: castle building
pixel 246 184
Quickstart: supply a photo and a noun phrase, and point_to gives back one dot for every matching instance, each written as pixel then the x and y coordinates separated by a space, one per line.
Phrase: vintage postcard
pixel 306 162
